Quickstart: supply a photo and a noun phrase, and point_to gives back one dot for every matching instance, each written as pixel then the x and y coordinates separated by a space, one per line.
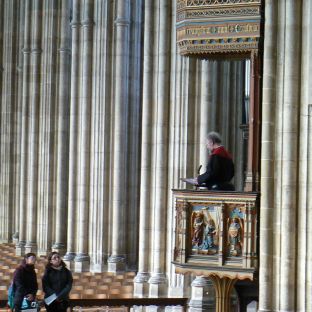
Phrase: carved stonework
pixel 218 26
pixel 180 235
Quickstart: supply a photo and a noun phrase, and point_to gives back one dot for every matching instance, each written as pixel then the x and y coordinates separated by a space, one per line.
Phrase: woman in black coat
pixel 57 280
pixel 25 281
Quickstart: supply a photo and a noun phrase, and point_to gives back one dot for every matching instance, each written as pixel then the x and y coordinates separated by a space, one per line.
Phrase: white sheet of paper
pixel 192 181
pixel 50 299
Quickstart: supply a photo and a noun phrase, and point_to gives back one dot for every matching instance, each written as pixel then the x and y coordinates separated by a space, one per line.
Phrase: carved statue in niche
pixel 198 228
pixel 235 235
pixel 209 233
pixel 205 230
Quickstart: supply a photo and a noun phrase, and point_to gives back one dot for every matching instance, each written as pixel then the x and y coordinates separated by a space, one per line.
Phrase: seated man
pixel 220 167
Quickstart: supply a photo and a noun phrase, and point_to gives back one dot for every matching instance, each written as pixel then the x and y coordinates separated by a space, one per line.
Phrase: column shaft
pixel 34 128
pixel 252 176
pixel 224 108
pixel 146 151
pixel 277 151
pixel 134 131
pixel 158 278
pixel 47 125
pixel 212 118
pixel 6 122
pixel 1 42
pixel 290 158
pixel 62 132
pixel 82 258
pixel 18 120
pixel 73 135
pixel 267 161
pixel 238 146
pixel 205 109
pixel 119 192
pixel 100 138
pixel 305 265
pixel 24 131
pixel 190 105
pixel 304 256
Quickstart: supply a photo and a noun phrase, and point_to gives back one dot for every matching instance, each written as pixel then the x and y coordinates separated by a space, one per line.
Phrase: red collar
pixel 222 152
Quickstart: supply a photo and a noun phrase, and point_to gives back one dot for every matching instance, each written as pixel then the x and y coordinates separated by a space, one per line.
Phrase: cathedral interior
pixel 104 109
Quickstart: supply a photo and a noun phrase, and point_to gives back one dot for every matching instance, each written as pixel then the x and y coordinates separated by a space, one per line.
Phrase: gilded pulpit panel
pixel 205 229
pixel 216 232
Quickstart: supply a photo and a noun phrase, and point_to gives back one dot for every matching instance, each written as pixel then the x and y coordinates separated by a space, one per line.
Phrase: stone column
pixel 277 106
pixel 188 103
pixel 252 175
pixel 100 138
pixel 82 259
pixel 235 107
pixel 8 91
pixel 158 280
pixel 1 42
pixel 47 125
pixel 18 120
pixel 62 131
pixel 134 132
pixel 213 118
pixel 2 63
pixel 223 103
pixel 73 137
pixel 31 245
pixel 304 256
pixel 240 147
pixel 267 160
pixel 305 245
pixel 179 283
pixel 289 157
pixel 203 294
pixel 205 110
pixel 140 281
pixel 20 247
pixel 116 262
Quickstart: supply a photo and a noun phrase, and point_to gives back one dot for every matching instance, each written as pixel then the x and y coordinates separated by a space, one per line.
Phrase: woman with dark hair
pixel 25 281
pixel 56 283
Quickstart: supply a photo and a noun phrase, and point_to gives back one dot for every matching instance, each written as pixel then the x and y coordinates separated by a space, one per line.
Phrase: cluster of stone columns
pixel 285 224
pixel 100 117
pixel 171 117
pixel 68 170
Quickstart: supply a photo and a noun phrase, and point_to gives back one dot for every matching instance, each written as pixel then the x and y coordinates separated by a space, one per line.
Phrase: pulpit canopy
pixel 218 26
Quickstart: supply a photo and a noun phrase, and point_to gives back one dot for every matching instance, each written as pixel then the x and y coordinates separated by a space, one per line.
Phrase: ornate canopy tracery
pixel 218 26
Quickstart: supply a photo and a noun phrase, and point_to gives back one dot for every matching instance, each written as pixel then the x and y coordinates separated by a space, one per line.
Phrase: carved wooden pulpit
pixel 216 235
pixel 216 232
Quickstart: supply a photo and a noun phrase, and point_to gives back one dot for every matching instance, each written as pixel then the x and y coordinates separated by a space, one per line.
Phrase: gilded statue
pixel 235 236
pixel 209 233
pixel 198 228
